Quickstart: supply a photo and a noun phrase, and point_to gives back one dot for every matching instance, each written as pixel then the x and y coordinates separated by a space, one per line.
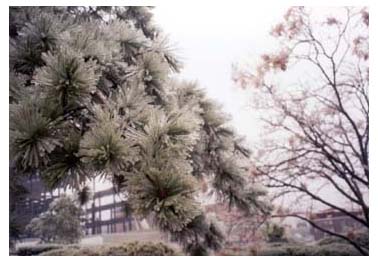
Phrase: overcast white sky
pixel 210 39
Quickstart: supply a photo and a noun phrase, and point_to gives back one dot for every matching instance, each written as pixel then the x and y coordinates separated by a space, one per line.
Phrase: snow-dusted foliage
pixel 93 94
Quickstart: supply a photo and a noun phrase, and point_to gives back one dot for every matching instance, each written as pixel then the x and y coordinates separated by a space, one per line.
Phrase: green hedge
pixel 127 249
pixel 331 240
pixel 334 249
pixel 35 249
pixel 292 249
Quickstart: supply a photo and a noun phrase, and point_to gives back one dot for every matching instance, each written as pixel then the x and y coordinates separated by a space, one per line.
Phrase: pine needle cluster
pixel 93 93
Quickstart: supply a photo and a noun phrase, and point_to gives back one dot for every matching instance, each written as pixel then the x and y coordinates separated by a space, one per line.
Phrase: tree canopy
pixel 316 143
pixel 60 223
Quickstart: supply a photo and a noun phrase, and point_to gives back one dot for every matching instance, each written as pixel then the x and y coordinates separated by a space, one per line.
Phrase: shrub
pixel 141 249
pixel 36 249
pixel 362 239
pixel 127 249
pixel 237 251
pixel 336 249
pixel 73 251
pixel 273 251
pixel 331 240
pixel 276 233
pixel 59 224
